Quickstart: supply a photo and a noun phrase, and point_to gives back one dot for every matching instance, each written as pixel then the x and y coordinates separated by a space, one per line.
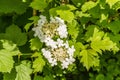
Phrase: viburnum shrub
pixel 52 34
pixel 59 39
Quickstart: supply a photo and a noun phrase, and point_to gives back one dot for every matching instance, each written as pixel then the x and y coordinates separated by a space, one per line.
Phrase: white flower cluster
pixel 57 50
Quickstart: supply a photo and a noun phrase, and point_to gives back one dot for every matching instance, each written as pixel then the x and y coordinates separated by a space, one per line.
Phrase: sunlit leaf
pixel 6 56
pixel 88 5
pixel 35 44
pixel 38 63
pixel 23 71
pixel 111 2
pixel 100 41
pixel 89 58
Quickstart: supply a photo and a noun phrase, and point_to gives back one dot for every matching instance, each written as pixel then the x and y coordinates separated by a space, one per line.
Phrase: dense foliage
pixel 91 32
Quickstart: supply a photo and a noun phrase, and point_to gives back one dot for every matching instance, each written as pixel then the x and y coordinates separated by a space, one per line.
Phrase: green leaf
pixel 35 44
pixel 100 77
pixel 10 76
pixel 100 41
pixel 38 63
pixel 23 71
pixel 111 2
pixel 78 2
pixel 34 19
pixel 90 30
pixel 115 38
pixel 71 7
pixel 95 12
pixel 27 26
pixel 88 5
pixel 114 26
pixel 11 6
pixel 117 5
pixel 53 12
pixel 38 78
pixel 39 5
pixel 81 14
pixel 64 11
pixel 73 29
pixel 14 34
pixel 48 77
pixel 6 59
pixel 66 15
pixel 103 17
pixel 89 58
pixel 10 46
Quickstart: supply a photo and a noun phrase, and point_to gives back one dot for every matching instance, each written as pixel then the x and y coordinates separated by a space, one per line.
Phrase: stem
pixel 19 54
pixel 34 12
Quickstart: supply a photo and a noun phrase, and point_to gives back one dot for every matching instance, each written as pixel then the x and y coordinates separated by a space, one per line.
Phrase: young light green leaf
pixel 71 7
pixel 6 59
pixel 64 11
pixel 117 5
pixel 111 2
pixel 73 29
pixel 23 71
pixel 81 14
pixel 89 58
pixel 10 46
pixel 27 26
pixel 53 12
pixel 100 41
pixel 88 5
pixel 35 44
pixel 38 63
pixel 66 15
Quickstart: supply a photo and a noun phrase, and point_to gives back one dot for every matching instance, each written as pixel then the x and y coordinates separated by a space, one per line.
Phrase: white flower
pixel 52 20
pixel 38 33
pixel 62 31
pixel 66 45
pixel 50 42
pixel 64 64
pixel 46 53
pixel 52 61
pixel 71 51
pixel 60 21
pixel 59 42
pixel 70 60
pixel 42 20
pixel 55 50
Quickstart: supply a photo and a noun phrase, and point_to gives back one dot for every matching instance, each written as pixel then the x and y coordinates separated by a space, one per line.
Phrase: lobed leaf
pixel 35 44
pixel 38 63
pixel 6 56
pixel 23 71
pixel 14 34
pixel 89 58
